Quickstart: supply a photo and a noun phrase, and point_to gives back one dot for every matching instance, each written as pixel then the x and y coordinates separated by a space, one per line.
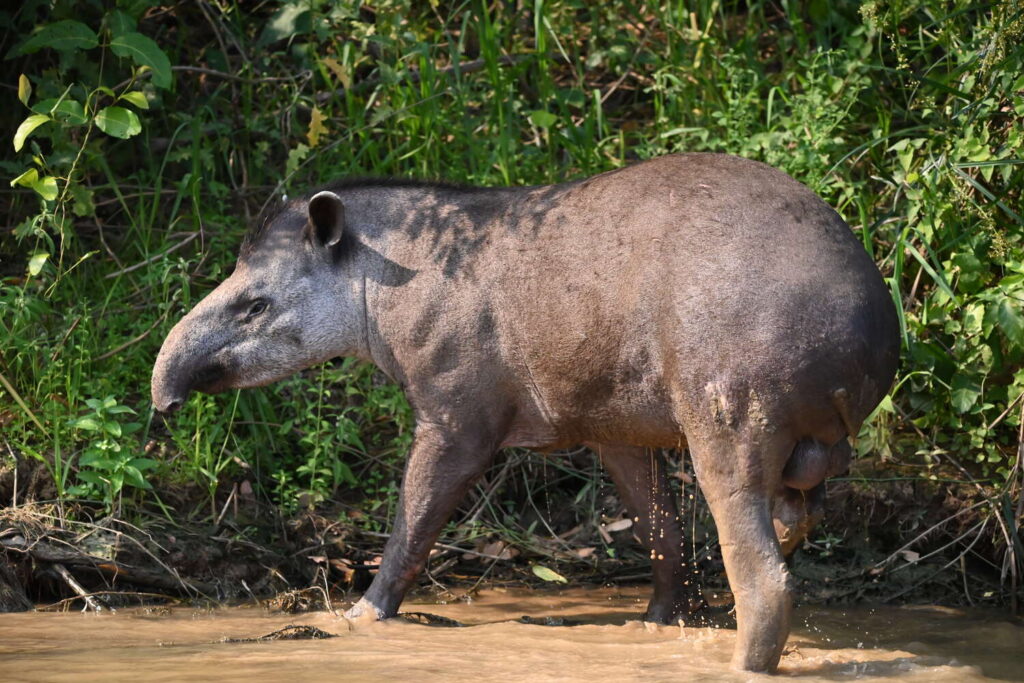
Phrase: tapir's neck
pixel 375 347
pixel 378 219
pixel 416 249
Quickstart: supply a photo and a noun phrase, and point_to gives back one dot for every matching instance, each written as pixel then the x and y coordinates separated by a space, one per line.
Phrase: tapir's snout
pixel 171 382
pixel 189 360
pixel 176 374
pixel 167 404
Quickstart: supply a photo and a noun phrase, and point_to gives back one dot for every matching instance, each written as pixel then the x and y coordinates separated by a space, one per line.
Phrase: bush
pixel 147 137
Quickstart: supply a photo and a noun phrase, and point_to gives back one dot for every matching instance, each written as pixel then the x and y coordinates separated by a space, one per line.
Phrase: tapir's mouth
pixel 171 386
pixel 211 379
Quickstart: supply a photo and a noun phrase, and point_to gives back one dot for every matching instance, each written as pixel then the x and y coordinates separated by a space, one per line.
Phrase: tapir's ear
pixel 326 219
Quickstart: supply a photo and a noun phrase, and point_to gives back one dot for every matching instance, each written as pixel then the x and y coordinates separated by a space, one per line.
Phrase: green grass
pixel 905 116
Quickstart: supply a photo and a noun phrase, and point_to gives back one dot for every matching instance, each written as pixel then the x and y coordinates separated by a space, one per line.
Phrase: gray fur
pixel 697 300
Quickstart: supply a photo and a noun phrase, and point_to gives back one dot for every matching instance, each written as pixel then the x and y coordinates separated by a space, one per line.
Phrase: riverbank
pixel 887 538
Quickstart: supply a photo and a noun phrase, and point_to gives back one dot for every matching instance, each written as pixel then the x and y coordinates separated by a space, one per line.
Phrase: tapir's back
pixel 633 290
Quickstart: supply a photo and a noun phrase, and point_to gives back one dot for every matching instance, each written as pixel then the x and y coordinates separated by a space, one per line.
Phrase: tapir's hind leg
pixel 641 479
pixel 739 477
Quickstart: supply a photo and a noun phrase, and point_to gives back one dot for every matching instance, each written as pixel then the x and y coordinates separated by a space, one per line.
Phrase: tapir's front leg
pixel 440 469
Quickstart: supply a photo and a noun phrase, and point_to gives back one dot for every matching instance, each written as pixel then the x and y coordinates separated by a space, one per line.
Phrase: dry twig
pixel 90 601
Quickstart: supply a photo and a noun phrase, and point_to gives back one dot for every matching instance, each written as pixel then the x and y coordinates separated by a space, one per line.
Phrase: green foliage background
pixel 149 135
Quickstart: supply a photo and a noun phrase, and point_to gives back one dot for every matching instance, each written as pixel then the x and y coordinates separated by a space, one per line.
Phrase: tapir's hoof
pixel 364 612
pixel 756 663
pixel 688 611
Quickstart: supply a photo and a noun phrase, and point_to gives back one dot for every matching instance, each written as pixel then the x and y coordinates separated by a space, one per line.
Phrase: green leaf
pixel 294 18
pixel 343 473
pixel 113 428
pixel 972 271
pixel 143 464
pixel 89 424
pixel 144 52
pixel 136 98
pixel 134 477
pixel 116 409
pixel 118 122
pixel 542 119
pixel 1012 281
pixel 26 179
pixel 965 392
pixel 89 457
pixel 1010 320
pixel 46 187
pixel 24 89
pixel 67 110
pixel 104 465
pixel 120 23
pixel 35 264
pixel 91 477
pixel 26 128
pixel 71 111
pixel 83 204
pixel 62 35
pixel 574 97
pixel 548 574
pixel 295 157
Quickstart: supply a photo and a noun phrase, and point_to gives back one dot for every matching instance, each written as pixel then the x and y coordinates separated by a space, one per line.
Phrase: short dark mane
pixel 258 226
pixel 360 182
pixel 275 208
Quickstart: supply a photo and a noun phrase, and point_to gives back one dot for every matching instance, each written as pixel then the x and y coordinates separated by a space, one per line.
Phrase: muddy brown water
pixel 827 644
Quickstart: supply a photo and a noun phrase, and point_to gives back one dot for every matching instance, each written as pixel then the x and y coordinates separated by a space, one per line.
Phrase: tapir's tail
pixel 841 402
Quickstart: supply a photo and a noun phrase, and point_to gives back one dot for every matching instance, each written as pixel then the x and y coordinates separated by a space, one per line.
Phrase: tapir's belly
pixel 628 406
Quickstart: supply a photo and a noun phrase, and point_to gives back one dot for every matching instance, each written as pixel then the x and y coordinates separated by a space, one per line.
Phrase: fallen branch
pixel 289 632
pixel 134 594
pixel 217 74
pixel 884 563
pixel 241 79
pixel 46 552
pixel 90 601
pixel 466 551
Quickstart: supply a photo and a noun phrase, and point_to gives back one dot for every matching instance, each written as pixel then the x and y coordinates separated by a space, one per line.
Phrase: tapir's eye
pixel 257 307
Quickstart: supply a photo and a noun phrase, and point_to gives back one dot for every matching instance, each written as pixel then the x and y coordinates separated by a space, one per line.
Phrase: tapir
pixel 695 301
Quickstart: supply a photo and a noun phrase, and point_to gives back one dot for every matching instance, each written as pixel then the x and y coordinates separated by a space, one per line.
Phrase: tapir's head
pixel 293 300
